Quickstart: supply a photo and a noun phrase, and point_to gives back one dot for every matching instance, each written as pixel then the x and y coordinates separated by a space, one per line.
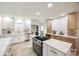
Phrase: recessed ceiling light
pixel 50 5
pixel 37 13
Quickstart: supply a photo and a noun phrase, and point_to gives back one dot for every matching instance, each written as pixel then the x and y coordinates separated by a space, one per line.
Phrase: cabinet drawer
pixel 54 52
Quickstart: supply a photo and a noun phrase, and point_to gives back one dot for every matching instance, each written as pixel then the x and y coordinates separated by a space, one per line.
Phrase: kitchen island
pixel 4 43
pixel 64 38
pixel 53 47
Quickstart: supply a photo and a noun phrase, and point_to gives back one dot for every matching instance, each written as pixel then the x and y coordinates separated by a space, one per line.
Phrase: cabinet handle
pixel 53 51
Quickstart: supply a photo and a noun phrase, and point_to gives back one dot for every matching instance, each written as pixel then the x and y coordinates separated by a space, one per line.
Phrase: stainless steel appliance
pixel 38 44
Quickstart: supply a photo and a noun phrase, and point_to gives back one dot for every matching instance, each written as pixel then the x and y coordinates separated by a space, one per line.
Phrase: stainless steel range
pixel 38 44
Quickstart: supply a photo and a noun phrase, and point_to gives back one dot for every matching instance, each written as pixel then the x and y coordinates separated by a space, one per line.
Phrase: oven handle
pixel 36 40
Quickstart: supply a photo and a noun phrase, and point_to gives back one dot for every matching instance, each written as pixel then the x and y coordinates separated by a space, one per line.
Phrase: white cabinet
pixel 20 37
pixel 45 49
pixel 50 51
pixel 54 52
pixel 7 22
pixel 53 47
pixel 7 25
pixel 19 27
pixel 8 51
pixel 5 46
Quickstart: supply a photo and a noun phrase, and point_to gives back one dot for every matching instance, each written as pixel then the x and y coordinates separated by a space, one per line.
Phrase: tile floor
pixel 22 49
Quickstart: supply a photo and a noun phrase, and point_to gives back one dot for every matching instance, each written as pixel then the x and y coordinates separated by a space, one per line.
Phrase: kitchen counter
pixel 62 46
pixel 61 35
pixel 64 38
pixel 4 42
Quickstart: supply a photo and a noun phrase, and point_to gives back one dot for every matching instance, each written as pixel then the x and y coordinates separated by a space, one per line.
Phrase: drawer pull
pixel 53 51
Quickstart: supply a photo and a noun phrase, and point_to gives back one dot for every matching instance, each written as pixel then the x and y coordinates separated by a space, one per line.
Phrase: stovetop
pixel 41 38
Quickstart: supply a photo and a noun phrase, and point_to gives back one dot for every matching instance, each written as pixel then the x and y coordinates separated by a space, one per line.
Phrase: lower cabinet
pixel 54 52
pixel 8 51
pixel 19 38
pixel 50 51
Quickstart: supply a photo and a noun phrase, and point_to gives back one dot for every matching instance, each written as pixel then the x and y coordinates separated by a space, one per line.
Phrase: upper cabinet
pixel 22 25
pixel 7 23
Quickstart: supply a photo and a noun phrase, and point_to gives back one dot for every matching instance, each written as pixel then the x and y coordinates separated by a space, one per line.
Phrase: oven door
pixel 37 49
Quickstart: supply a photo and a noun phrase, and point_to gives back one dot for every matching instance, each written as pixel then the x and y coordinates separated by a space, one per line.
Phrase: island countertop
pixel 4 42
pixel 59 45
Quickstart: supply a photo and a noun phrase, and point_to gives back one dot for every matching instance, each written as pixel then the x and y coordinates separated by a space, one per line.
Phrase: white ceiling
pixel 29 9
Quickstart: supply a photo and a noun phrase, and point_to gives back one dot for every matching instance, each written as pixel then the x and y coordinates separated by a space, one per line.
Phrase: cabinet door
pixel 19 27
pixel 45 49
pixel 7 23
pixel 8 51
pixel 54 52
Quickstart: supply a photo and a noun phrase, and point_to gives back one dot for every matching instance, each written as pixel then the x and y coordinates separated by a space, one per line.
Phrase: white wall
pixel 45 28
pixel 60 24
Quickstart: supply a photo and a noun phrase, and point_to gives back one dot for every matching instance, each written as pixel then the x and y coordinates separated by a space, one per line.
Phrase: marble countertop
pixel 4 42
pixel 11 35
pixel 59 45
